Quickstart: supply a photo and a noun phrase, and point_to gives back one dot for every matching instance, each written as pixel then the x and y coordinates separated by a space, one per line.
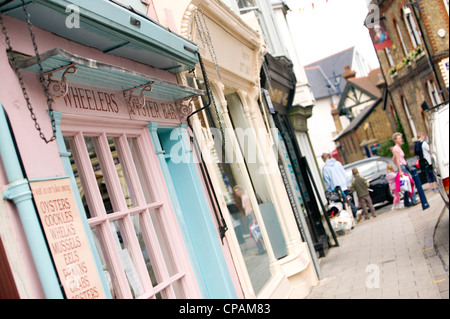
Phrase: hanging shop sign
pixel 67 239
pixel 279 84
pixel 380 36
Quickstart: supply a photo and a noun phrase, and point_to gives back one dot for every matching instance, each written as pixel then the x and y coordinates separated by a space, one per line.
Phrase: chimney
pixel 335 113
pixel 348 74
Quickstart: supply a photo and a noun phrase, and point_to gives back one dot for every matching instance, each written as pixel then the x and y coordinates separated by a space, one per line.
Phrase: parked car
pixel 439 144
pixel 374 170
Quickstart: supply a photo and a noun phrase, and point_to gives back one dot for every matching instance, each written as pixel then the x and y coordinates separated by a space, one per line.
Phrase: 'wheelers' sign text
pixel 99 102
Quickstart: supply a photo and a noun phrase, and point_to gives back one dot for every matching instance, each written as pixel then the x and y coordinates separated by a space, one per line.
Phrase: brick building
pixel 413 58
pixel 362 102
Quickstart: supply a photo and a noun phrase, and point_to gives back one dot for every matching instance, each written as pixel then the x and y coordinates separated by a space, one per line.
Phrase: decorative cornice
pixel 221 14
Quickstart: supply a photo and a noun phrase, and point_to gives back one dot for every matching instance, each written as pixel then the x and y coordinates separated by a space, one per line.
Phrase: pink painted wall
pixel 48 162
pixel 24 266
pixel 40 160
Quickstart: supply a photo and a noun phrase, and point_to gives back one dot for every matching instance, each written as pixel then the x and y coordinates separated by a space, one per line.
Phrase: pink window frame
pixel 77 127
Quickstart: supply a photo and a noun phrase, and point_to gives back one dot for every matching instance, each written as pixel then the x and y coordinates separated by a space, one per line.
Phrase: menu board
pixel 67 239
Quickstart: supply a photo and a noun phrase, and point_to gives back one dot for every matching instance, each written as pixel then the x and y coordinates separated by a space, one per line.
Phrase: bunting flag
pixel 311 4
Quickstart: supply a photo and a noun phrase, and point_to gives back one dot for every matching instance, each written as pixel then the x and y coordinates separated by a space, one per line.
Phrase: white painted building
pixel 327 83
pixel 273 24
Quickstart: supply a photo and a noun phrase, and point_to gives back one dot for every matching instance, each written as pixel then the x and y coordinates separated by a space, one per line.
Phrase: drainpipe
pixel 19 192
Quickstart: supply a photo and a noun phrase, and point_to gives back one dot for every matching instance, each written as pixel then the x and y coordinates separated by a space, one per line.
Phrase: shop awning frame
pixel 112 28
pixel 60 66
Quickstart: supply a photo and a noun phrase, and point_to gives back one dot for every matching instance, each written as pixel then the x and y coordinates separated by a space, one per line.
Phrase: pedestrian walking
pixel 361 186
pixel 400 161
pixel 334 175
pixel 422 151
pixel 392 177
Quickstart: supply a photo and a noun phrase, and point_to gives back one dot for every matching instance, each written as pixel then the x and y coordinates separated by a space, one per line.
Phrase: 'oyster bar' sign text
pixel 100 102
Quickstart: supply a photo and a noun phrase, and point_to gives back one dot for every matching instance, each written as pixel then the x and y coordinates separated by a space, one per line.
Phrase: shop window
pixel 246 203
pixel 250 149
pixel 129 223
pixel 241 204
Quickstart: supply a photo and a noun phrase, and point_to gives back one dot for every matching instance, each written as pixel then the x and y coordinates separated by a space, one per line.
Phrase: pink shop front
pixel 111 214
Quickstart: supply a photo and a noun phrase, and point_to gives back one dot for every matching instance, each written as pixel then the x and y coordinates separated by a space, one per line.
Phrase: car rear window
pixel 367 169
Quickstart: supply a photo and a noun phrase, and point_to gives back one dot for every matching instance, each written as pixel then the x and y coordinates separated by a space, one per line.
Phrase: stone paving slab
pixel 384 258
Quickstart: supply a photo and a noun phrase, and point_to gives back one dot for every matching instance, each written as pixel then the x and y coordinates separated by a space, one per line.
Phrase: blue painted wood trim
pixel 65 157
pixel 194 215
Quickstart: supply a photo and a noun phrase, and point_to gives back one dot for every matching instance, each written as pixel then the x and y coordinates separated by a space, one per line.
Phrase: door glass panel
pixel 140 168
pixel 126 257
pixel 164 241
pixel 178 289
pixel 144 243
pixel 122 173
pixel 108 270
pixel 92 146
pixel 69 147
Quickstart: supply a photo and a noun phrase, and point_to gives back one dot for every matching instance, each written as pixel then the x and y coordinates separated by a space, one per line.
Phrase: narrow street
pixel 392 256
pixel 185 149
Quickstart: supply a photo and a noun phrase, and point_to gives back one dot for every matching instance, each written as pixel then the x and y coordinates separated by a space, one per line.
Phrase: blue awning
pixel 94 73
pixel 112 28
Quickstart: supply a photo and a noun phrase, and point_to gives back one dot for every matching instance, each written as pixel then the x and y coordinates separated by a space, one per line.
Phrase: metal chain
pixel 13 60
pixel 207 43
pixel 203 32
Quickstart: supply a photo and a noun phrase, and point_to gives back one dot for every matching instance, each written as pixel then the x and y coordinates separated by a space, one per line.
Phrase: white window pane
pixel 126 257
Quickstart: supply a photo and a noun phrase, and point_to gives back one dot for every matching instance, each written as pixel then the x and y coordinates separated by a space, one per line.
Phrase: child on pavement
pixel 361 187
pixel 391 177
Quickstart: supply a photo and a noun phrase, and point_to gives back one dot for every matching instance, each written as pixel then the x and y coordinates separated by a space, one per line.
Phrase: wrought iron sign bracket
pixel 137 101
pixel 59 88
pixel 185 107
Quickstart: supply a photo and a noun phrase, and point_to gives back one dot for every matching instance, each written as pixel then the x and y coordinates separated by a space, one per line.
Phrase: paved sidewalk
pixel 441 236
pixel 441 243
pixel 384 257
